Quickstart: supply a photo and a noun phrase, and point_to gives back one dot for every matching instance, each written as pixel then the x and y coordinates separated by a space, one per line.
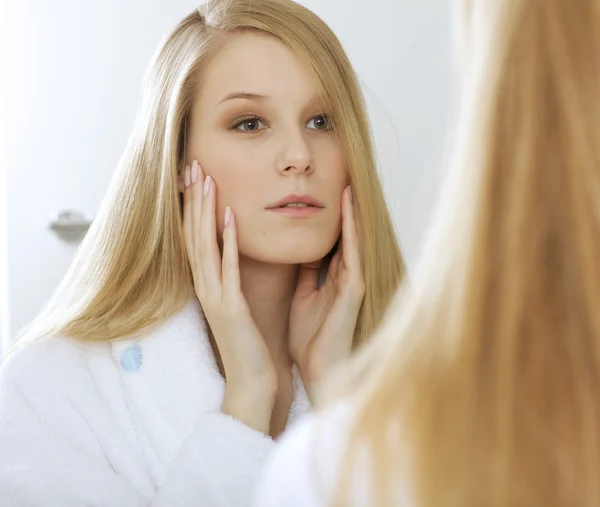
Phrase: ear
pixel 180 176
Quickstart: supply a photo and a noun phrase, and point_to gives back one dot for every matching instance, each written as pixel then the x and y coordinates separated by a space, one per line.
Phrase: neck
pixel 269 289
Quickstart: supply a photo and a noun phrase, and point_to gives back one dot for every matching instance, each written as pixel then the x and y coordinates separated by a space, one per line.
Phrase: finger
pixel 192 213
pixel 350 245
pixel 210 258
pixel 230 264
pixel 195 190
pixel 187 208
pixel 358 225
pixel 188 204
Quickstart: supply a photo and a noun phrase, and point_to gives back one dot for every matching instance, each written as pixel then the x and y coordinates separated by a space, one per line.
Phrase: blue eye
pixel 320 122
pixel 252 124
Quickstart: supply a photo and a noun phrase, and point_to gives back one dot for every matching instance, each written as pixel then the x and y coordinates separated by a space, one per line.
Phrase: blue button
pixel 132 358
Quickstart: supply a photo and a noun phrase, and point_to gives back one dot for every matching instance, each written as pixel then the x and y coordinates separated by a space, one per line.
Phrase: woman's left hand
pixel 323 319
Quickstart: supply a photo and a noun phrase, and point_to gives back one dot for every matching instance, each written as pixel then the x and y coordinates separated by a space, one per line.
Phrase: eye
pixel 320 122
pixel 249 124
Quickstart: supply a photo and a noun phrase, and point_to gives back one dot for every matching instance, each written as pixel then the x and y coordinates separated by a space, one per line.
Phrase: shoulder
pixel 48 357
pixel 172 366
pixel 44 366
pixel 42 356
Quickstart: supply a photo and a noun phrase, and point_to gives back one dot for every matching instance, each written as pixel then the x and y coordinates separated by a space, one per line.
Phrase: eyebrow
pixel 244 95
pixel 316 101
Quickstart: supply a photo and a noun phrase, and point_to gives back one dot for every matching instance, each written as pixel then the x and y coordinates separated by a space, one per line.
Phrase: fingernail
pixel 207 185
pixel 194 171
pixel 227 215
pixel 187 176
pixel 350 193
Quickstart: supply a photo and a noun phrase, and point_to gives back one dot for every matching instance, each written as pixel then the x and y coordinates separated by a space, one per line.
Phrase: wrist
pixel 251 383
pixel 252 407
pixel 312 372
pixel 251 391
pixel 311 377
pixel 248 402
pixel 315 373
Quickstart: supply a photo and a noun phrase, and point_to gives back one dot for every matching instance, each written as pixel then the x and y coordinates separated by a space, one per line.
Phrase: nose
pixel 296 156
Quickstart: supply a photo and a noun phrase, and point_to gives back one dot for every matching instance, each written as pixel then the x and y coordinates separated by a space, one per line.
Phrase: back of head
pixel 490 361
pixel 131 271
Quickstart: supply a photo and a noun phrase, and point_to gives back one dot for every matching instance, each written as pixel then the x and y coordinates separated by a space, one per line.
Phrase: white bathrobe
pixel 305 469
pixel 126 423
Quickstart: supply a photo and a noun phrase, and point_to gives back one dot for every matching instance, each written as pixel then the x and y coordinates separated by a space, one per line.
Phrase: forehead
pixel 260 64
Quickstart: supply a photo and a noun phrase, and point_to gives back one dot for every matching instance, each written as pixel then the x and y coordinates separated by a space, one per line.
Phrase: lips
pixel 297 205
pixel 297 201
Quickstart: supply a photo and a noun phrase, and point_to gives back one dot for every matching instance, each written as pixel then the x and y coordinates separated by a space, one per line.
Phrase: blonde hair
pixel 131 271
pixel 486 370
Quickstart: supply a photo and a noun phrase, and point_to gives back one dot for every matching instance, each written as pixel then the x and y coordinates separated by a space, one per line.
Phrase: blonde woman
pixel 182 340
pixel 484 390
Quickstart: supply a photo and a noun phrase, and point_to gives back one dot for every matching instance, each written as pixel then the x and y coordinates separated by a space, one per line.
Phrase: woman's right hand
pixel 250 374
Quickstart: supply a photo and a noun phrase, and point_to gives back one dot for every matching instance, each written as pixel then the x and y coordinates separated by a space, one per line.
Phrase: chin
pixel 298 254
pixel 290 246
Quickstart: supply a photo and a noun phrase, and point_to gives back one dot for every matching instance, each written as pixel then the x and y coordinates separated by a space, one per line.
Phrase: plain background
pixel 71 82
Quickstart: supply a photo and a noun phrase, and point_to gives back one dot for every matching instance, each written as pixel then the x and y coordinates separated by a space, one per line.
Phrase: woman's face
pixel 259 129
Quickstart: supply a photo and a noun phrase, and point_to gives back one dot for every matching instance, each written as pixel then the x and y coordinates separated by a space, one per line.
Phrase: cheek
pixel 334 168
pixel 235 178
pixel 338 180
pixel 332 177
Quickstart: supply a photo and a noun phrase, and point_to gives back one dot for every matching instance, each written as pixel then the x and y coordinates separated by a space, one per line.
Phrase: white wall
pixel 74 73
pixel 401 50
pixel 4 314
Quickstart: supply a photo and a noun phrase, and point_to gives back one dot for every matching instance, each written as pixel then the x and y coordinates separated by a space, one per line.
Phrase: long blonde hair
pixel 486 371
pixel 131 271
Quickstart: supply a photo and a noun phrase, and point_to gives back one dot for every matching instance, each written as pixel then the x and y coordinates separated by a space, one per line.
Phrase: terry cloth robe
pixel 126 423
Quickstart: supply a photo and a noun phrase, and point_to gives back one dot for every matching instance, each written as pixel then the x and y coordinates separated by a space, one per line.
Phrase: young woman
pixel 243 249
pixel 486 374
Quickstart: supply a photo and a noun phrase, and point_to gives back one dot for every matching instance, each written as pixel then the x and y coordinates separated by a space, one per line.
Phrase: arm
pixel 219 465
